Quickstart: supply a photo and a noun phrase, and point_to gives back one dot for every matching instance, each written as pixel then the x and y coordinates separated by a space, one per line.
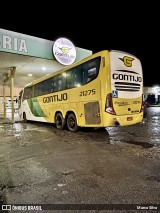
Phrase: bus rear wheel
pixel 59 121
pixel 72 123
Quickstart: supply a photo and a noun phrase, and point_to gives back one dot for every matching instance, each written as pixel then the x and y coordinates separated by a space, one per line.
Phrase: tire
pixel 59 121
pixel 25 117
pixel 72 123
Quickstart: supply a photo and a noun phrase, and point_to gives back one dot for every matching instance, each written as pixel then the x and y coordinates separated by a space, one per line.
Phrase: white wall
pixel 8 98
pixel 7 91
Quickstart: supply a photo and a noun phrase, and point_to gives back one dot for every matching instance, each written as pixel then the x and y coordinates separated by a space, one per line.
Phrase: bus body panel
pixel 43 108
pixel 126 83
pixel 122 120
pixel 120 74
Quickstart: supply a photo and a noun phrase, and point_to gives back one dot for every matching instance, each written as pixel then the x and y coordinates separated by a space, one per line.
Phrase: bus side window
pixel 54 84
pixel 19 99
pixel 46 86
pixel 84 73
pixel 70 83
pixel 58 83
pixel 92 73
pixel 93 69
pixel 78 76
pixel 38 89
pixel 27 93
pixel 90 70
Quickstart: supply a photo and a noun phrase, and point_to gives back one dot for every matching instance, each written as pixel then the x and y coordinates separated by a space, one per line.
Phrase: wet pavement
pixel 42 165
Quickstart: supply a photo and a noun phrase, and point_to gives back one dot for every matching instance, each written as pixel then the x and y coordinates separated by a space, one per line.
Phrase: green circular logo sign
pixel 64 51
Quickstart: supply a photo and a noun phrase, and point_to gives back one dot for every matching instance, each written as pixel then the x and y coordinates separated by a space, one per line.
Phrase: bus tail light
pixel 142 104
pixel 109 104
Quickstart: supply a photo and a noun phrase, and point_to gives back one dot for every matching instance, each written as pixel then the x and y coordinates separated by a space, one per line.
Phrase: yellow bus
pixel 102 90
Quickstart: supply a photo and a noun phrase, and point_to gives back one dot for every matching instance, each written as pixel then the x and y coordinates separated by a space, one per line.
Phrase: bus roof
pixel 100 53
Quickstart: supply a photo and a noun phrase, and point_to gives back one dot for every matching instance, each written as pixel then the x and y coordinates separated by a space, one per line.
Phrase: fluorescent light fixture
pixel 30 75
pixel 43 68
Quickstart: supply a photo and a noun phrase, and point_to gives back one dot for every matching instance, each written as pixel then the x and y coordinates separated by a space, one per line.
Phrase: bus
pixel 102 90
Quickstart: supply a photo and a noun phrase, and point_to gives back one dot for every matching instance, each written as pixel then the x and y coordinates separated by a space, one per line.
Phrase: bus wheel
pixel 59 121
pixel 72 123
pixel 24 117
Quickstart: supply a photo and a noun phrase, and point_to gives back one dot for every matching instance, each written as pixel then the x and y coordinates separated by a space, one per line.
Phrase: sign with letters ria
pixel 64 51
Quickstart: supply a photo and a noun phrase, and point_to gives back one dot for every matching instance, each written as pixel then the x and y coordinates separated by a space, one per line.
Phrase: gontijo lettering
pixel 126 77
pixel 55 98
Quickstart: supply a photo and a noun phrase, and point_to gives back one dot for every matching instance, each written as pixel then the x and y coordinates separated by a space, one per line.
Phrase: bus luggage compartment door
pixel 92 113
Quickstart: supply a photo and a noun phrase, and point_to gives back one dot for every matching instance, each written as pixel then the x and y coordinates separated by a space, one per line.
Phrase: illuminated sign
pixel 10 43
pixel 64 51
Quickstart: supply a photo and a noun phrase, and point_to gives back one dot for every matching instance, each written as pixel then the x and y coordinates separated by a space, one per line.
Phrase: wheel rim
pixel 71 123
pixel 59 121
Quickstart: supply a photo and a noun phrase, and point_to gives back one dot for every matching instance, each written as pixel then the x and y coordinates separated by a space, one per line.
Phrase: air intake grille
pixel 129 87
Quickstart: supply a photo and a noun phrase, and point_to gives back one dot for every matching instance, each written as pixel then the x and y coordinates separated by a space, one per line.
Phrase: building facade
pixel 152 95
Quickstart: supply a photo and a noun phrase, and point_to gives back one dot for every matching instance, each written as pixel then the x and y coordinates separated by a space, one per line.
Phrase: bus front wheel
pixel 59 121
pixel 72 123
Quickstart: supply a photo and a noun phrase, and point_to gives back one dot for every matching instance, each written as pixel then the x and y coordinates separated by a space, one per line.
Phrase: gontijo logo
pixel 64 51
pixel 127 61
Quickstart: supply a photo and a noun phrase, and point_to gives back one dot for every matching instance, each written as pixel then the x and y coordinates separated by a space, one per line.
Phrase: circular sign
pixel 64 51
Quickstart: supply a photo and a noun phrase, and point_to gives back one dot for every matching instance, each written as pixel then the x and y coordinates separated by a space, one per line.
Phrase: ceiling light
pixel 43 68
pixel 30 75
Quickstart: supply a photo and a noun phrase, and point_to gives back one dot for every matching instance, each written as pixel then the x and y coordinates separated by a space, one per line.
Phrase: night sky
pixel 98 27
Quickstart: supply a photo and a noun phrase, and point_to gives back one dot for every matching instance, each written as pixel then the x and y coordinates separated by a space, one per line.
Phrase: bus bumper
pixel 124 120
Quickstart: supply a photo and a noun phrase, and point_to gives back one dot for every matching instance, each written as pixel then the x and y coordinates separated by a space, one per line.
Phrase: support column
pixel 4 101
pixel 11 77
pixel 12 99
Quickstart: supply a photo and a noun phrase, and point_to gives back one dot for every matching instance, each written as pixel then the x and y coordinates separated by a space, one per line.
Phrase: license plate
pixel 129 118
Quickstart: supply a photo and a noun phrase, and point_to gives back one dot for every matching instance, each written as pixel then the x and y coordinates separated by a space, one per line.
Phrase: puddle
pixel 143 144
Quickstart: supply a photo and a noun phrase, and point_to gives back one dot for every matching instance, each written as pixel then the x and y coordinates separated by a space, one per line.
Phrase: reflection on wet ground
pixel 114 164
pixel 146 134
